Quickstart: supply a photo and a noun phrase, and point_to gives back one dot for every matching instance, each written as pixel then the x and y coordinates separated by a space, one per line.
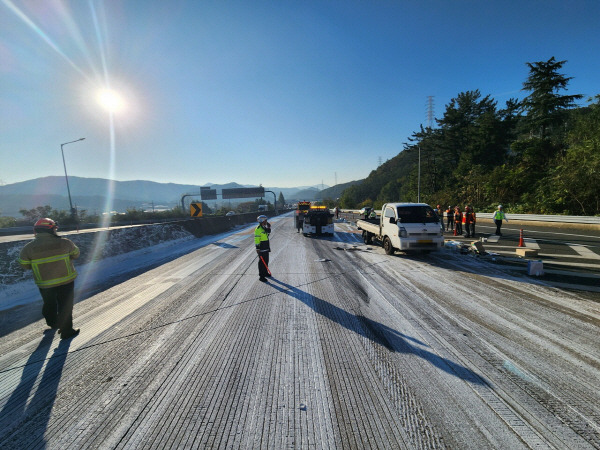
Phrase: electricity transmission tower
pixel 430 111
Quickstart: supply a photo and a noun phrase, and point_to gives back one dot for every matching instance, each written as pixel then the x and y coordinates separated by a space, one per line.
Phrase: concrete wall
pixel 116 241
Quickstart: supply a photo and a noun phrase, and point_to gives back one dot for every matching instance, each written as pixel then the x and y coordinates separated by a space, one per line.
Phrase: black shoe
pixel 263 279
pixel 69 335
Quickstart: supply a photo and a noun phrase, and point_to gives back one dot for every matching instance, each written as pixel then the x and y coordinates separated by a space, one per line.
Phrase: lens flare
pixel 111 101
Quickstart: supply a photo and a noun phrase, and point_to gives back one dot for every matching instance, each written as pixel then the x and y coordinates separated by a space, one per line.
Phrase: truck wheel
pixel 367 239
pixel 387 246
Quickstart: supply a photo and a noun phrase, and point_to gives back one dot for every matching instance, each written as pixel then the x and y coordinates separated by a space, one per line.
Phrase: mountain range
pixel 91 194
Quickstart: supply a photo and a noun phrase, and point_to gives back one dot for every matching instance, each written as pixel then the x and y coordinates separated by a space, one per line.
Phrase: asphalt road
pixel 345 347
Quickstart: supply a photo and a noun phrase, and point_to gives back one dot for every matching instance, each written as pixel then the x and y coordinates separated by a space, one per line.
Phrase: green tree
pixel 281 200
pixel 571 185
pixel 34 214
pixel 545 105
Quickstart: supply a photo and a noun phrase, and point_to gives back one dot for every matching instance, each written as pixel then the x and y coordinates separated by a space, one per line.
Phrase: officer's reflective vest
pixel 261 238
pixel 499 215
pixel 50 257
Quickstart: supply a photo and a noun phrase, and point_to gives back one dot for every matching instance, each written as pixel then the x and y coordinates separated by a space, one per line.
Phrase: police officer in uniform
pixel 50 257
pixel 261 242
pixel 498 217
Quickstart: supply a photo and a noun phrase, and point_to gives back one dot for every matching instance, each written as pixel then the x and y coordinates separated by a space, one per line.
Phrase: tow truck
pixel 318 220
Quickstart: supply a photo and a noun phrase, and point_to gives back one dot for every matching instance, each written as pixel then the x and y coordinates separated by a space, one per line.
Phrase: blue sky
pixel 279 93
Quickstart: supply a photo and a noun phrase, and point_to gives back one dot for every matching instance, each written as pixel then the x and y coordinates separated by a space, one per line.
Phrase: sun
pixel 111 100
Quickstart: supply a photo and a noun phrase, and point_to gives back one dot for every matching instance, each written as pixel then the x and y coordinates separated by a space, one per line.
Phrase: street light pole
pixel 66 177
pixel 419 178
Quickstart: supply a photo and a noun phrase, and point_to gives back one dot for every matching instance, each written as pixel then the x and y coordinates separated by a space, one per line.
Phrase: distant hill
pixel 91 194
pixel 336 191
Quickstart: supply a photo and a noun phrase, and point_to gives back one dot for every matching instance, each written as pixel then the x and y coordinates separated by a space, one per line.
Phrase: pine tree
pixel 544 106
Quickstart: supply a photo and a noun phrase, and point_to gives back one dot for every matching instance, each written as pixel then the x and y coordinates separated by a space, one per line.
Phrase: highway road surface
pixel 344 347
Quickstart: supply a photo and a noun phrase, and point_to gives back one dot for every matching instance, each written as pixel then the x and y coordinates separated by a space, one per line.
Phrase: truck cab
pixel 318 220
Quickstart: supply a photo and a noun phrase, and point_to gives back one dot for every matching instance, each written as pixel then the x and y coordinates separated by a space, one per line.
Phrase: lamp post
pixel 419 178
pixel 66 177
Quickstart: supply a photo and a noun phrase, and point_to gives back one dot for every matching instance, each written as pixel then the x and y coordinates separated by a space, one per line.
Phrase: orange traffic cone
pixel 521 243
pixel 455 233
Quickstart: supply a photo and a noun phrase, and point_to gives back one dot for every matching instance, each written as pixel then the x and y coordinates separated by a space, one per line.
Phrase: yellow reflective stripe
pixel 50 259
pixel 57 280
pixel 36 263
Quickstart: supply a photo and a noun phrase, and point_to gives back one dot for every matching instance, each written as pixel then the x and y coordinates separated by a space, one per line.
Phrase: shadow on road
pixel 377 332
pixel 20 409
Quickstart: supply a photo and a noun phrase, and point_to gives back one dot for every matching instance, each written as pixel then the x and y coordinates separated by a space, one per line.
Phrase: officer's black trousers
pixel 58 306
pixel 262 269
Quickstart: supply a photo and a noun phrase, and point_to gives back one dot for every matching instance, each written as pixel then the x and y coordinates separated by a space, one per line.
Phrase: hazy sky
pixel 280 93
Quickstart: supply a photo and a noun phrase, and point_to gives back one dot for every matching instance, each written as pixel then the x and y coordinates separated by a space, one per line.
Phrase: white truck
pixel 407 227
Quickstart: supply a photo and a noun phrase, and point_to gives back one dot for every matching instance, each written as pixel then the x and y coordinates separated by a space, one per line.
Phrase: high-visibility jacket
pixel 458 217
pixel 499 215
pixel 261 238
pixel 50 257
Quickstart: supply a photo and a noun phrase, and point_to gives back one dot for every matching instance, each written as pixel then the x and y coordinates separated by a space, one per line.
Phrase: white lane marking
pixel 584 251
pixel 531 243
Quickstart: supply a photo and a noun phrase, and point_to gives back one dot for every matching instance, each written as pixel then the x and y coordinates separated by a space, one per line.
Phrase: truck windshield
pixel 417 214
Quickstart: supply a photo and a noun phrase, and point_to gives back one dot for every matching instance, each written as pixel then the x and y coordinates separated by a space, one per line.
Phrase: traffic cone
pixel 521 243
pixel 455 233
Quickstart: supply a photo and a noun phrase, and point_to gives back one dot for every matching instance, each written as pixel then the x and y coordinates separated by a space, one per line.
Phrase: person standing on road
pixel 498 217
pixel 450 219
pixel 261 242
pixel 468 221
pixel 458 218
pixel 473 221
pixel 50 257
pixel 299 221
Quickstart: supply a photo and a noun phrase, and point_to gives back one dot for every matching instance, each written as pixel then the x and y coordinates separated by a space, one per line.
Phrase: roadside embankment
pixel 105 243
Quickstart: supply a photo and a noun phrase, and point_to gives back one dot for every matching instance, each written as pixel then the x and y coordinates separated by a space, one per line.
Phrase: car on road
pixel 230 213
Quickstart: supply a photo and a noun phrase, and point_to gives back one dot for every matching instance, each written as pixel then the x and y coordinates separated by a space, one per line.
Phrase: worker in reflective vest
pixel 50 257
pixel 458 219
pixel 261 242
pixel 498 217
pixel 449 219
pixel 468 222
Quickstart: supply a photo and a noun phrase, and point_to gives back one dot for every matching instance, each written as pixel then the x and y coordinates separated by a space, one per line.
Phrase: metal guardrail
pixel 595 220
pixel 546 218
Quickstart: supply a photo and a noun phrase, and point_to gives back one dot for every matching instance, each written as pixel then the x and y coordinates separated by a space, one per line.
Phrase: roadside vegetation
pixel 540 155
pixel 130 216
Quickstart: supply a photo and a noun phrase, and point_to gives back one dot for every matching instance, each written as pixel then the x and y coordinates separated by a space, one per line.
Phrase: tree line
pixel 131 215
pixel 540 155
